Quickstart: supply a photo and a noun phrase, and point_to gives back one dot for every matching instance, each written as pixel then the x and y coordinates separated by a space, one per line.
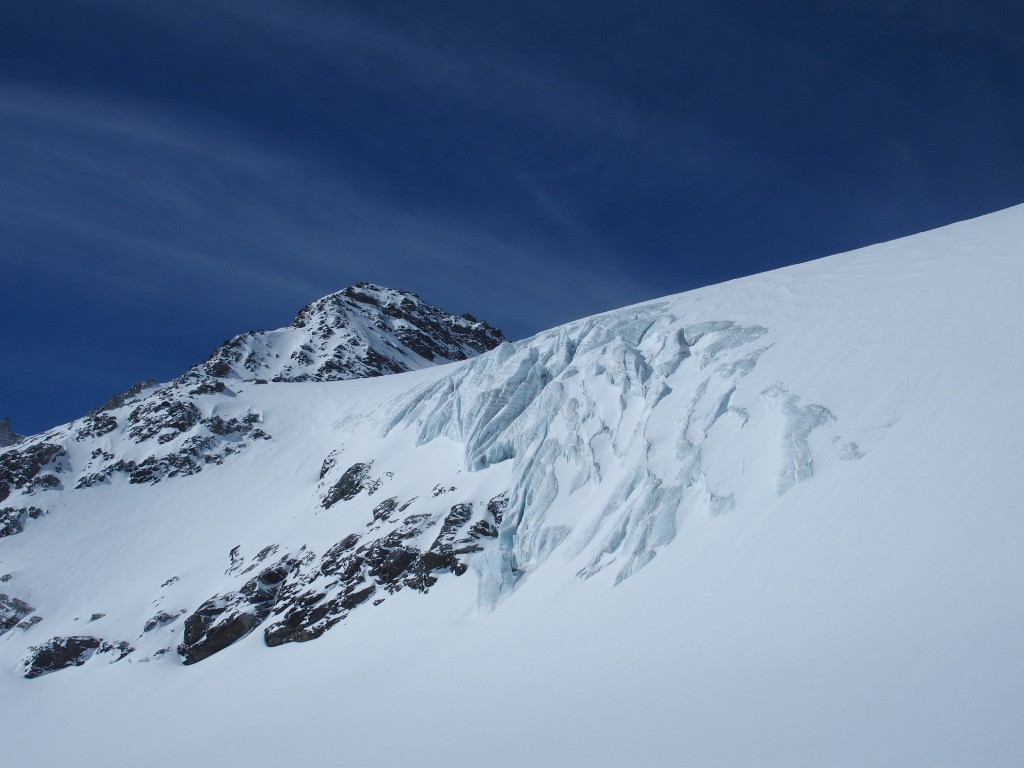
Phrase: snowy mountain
pixel 153 432
pixel 771 522
pixel 363 330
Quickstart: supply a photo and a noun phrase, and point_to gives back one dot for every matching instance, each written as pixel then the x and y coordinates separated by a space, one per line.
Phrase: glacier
pixel 588 403
pixel 771 522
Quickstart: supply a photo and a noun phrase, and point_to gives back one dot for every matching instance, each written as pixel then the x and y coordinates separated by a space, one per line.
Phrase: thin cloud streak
pixel 474 76
pixel 156 196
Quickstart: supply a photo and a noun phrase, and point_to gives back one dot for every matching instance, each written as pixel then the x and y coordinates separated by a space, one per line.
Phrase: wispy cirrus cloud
pixel 162 206
pixel 467 70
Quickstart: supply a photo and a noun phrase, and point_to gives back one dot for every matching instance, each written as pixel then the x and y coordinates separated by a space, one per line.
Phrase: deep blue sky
pixel 173 173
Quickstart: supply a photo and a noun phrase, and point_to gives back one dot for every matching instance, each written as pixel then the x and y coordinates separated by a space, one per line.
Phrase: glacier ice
pixel 629 399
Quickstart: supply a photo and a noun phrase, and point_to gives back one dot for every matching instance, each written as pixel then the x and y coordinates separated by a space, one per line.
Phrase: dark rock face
pixel 225 619
pixel 354 569
pixel 22 468
pixel 12 611
pixel 388 558
pixel 164 420
pixel 209 388
pixel 443 554
pixel 12 519
pixel 305 612
pixel 161 619
pixel 488 526
pixel 96 425
pixel 63 652
pixel 302 595
pixel 497 507
pixel 348 487
pixel 44 483
pixel 383 511
pixel 8 436
pixel 231 354
pixel 222 438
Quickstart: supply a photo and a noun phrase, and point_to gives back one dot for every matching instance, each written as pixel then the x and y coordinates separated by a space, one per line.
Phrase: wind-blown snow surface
pixel 775 522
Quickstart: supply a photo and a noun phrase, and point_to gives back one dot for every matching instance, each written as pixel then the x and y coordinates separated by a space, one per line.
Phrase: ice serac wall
pixel 633 403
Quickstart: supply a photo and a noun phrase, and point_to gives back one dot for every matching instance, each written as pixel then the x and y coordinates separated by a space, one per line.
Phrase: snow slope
pixel 773 522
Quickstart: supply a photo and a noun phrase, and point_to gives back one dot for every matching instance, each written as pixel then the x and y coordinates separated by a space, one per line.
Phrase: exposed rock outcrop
pixel 161 619
pixel 351 484
pixel 30 468
pixel 63 652
pixel 7 435
pixel 357 568
pixel 363 330
pixel 12 611
pixel 225 619
pixel 12 519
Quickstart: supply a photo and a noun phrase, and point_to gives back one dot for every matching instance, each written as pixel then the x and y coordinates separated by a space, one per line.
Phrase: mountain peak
pixel 361 296
pixel 360 331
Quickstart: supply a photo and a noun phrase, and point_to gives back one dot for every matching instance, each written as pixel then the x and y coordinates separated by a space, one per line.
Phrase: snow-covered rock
pixel 363 330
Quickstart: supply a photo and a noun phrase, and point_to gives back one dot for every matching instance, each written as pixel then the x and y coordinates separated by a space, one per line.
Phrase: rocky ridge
pixel 361 331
